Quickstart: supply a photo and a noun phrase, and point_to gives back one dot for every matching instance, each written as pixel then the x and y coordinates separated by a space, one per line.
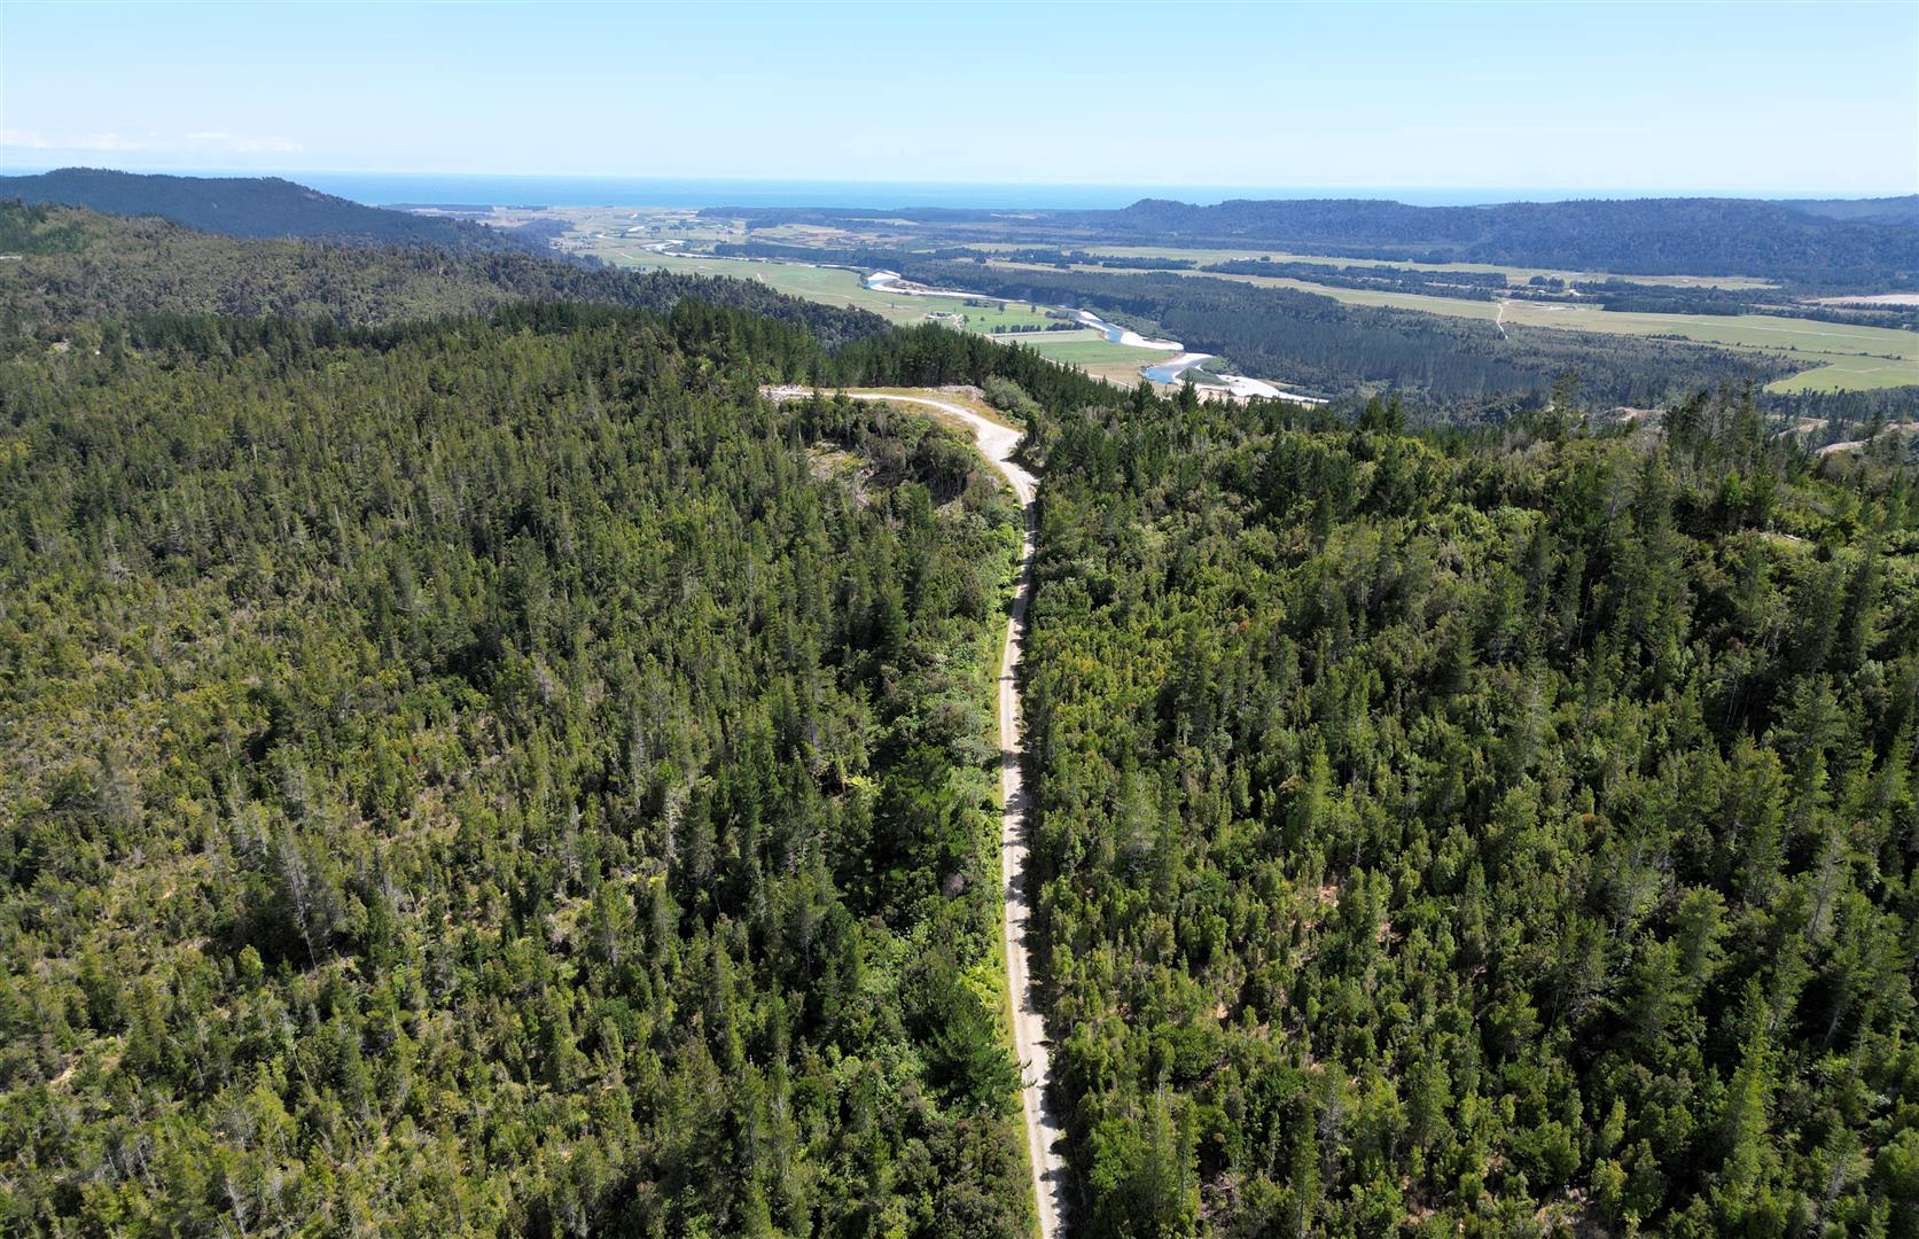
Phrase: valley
pixel 1814 355
pixel 1086 349
pixel 1839 357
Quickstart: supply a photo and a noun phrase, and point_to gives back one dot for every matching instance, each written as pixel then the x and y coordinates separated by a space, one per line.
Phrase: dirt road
pixel 997 443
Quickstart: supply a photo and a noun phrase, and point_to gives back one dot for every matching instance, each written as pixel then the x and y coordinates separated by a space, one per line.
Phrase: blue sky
pixel 1757 98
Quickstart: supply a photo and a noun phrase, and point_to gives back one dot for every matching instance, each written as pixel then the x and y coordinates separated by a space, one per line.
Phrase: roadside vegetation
pixel 1477 833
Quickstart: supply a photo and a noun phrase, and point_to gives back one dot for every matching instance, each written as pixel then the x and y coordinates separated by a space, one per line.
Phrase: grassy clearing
pixel 1116 363
pixel 1850 374
pixel 839 286
pixel 993 315
pixel 1755 331
pixel 1052 338
pixel 828 285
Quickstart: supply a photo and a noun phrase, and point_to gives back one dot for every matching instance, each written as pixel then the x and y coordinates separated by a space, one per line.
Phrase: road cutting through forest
pixel 997 442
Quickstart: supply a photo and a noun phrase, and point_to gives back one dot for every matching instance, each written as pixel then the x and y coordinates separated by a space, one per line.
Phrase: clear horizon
pixel 355 183
pixel 1739 100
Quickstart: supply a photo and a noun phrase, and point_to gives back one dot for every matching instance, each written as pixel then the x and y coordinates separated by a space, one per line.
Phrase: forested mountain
pixel 498 777
pixel 251 206
pixel 1903 210
pixel 1643 236
pixel 1477 834
pixel 1873 244
pixel 76 266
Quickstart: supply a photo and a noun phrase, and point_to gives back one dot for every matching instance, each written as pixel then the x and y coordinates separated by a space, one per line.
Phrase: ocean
pixel 393 188
pixel 458 189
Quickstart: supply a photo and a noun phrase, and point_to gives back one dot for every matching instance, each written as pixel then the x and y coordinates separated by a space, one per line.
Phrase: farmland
pixel 1091 352
pixel 1012 321
pixel 1851 374
pixel 831 285
pixel 1833 356
pixel 837 286
pixel 1837 356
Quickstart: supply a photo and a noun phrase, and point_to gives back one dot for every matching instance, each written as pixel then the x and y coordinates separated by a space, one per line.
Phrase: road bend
pixel 997 443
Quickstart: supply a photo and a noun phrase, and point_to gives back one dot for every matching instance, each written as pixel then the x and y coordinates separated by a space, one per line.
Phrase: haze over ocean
pixel 458 189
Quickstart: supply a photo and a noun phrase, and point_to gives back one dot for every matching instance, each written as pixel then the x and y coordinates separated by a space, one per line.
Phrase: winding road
pixel 997 442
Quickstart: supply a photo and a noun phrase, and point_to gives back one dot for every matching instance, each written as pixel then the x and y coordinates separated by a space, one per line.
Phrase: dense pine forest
pixel 1486 833
pixel 495 778
pixel 70 271
pixel 470 765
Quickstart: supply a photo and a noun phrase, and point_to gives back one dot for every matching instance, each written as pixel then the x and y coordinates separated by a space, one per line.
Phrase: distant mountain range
pixel 1834 244
pixel 254 207
pixel 1650 236
pixel 1812 242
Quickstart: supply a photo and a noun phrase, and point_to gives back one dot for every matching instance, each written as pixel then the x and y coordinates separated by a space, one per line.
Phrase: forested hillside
pixel 494 777
pixel 1642 236
pixel 250 206
pixel 77 267
pixel 1479 834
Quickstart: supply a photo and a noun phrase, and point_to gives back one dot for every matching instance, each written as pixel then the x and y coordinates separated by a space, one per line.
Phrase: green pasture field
pixel 1850 374
pixel 1116 363
pixel 990 317
pixel 838 286
pixel 1052 337
pixel 828 285
pixel 1838 356
pixel 1758 331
